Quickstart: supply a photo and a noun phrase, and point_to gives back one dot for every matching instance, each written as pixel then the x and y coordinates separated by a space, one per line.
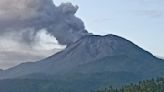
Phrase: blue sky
pixel 141 21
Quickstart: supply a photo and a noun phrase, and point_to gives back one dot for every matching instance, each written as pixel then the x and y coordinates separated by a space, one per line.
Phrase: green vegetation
pixel 34 85
pixel 143 86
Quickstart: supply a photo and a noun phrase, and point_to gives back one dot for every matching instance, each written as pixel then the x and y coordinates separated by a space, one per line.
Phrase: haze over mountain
pixel 93 60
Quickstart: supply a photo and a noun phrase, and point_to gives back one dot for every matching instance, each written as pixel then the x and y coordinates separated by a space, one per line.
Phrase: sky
pixel 141 21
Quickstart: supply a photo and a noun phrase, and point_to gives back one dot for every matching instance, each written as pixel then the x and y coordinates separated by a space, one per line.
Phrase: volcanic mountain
pixel 92 62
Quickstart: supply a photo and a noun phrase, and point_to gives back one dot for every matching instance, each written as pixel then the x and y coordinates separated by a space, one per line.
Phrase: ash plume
pixel 59 21
pixel 37 25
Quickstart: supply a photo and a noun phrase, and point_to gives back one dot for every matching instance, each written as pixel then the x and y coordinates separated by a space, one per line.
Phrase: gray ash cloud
pixel 32 25
pixel 60 21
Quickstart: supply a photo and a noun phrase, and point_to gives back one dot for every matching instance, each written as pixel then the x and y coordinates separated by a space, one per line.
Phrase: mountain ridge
pixel 88 48
pixel 93 60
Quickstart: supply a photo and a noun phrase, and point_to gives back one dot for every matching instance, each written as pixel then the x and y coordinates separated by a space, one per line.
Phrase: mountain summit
pixel 109 45
pixel 93 60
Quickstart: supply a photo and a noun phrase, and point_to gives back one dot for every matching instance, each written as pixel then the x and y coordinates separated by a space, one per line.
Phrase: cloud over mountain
pixel 38 24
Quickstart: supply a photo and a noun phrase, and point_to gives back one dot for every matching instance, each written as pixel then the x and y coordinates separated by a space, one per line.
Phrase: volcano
pixel 92 62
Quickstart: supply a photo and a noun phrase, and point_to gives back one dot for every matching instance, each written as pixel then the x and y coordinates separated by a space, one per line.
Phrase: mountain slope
pixel 94 61
pixel 87 49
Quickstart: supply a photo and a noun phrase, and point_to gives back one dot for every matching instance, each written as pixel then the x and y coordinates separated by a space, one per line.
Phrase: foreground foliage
pixel 143 86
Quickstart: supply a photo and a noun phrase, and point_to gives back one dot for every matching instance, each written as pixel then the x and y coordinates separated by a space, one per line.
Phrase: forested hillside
pixel 154 85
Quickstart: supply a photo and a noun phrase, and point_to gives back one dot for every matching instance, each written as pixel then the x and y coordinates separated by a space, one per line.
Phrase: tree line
pixel 153 85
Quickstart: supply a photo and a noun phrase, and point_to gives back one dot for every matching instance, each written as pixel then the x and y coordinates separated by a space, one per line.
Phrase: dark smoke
pixel 59 21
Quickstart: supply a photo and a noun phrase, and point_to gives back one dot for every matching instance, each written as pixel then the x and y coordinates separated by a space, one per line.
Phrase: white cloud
pixel 45 41
pixel 13 51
